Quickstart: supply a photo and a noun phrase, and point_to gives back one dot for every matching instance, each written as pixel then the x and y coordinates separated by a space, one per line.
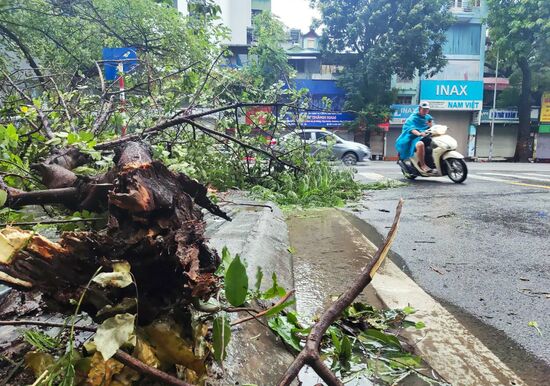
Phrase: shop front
pixel 452 103
pixel 505 133
pixel 542 152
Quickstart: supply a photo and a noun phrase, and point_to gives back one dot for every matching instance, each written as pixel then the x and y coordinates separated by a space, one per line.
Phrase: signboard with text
pixel 545 107
pixel 452 94
pixel 401 113
pixel 322 119
pixel 500 116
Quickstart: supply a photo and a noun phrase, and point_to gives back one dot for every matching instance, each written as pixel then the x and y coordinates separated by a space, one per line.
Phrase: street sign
pixel 401 113
pixel 452 94
pixel 322 119
pixel 112 57
pixel 500 116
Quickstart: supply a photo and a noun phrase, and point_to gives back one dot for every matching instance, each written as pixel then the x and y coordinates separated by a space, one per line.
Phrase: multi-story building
pixel 455 93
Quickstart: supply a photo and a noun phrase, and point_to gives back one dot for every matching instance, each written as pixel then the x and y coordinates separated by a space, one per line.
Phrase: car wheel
pixel 350 158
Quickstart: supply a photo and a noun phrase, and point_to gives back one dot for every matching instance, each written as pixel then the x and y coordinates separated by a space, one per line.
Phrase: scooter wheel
pixel 456 170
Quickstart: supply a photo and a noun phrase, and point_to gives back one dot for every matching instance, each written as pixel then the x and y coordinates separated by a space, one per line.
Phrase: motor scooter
pixel 441 156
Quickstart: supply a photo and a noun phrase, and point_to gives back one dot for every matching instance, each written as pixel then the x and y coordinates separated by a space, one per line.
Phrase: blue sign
pixel 507 116
pixel 401 113
pixel 322 119
pixel 114 56
pixel 452 94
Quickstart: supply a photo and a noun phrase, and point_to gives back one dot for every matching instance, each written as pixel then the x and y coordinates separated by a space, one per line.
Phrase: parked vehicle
pixel 441 156
pixel 321 139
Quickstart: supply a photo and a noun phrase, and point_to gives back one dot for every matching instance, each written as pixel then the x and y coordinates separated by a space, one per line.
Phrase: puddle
pixel 328 253
pixel 327 257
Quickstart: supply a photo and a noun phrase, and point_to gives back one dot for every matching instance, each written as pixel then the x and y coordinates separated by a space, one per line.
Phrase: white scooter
pixel 442 158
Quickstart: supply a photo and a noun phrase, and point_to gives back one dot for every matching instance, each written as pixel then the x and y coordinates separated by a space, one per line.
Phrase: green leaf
pixel 225 263
pixel 386 339
pixel 345 351
pixel 113 333
pixel 404 360
pixel 275 290
pixel 283 328
pixel 3 197
pixel 72 138
pixel 221 335
pixel 409 310
pixel 236 282
pixel 419 325
pixel 279 308
pixel 259 275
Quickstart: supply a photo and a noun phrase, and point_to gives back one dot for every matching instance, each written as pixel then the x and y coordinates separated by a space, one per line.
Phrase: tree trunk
pixel 153 224
pixel 523 150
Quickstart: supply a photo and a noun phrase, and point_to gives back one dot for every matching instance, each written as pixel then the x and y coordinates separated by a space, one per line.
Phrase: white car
pixel 348 151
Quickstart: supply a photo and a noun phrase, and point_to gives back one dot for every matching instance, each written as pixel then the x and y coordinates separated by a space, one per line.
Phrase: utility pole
pixel 493 112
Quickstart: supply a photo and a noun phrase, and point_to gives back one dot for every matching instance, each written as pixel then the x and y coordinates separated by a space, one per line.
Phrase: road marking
pixel 519 177
pixel 539 175
pixel 476 177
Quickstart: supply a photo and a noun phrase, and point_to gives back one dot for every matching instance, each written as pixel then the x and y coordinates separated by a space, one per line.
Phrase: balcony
pixel 466 10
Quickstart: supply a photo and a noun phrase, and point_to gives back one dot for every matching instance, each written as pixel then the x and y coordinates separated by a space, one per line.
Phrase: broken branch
pixel 310 354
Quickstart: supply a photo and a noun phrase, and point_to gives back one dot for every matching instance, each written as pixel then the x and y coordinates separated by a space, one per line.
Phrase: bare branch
pixel 310 353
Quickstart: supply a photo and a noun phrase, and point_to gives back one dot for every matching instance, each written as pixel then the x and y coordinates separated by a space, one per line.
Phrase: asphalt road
pixel 482 248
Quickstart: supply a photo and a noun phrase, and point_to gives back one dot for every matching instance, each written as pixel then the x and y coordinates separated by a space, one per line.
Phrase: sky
pixel 294 13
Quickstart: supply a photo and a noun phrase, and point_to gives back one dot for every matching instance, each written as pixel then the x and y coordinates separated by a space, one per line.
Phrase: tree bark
pixel 153 224
pixel 523 151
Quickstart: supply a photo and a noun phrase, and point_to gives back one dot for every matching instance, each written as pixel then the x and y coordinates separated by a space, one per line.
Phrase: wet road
pixel 481 248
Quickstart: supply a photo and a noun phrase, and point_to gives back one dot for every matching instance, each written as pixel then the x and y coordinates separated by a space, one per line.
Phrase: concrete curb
pixel 445 344
pixel 260 237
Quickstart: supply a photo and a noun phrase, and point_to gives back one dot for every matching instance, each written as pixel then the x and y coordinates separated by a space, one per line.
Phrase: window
pixel 304 135
pixel 463 39
pixel 321 135
pixel 457 3
pixel 310 43
pixel 298 65
pixel 404 100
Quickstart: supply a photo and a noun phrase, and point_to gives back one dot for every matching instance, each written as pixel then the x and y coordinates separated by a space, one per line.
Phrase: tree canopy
pixel 387 38
pixel 520 32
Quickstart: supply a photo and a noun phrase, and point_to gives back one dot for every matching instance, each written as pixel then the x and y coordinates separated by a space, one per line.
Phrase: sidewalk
pixel 261 238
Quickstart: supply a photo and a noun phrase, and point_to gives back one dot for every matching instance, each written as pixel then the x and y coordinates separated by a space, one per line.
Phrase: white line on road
pixel 519 177
pixel 540 175
pixel 476 177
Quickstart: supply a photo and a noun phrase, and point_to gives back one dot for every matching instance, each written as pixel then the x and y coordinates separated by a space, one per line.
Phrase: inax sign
pixel 452 94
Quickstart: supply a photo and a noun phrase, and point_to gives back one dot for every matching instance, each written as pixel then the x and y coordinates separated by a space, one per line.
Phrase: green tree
pixel 384 37
pixel 520 30
pixel 268 59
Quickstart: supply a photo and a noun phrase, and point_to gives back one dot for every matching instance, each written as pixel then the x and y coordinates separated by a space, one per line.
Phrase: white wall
pixel 235 14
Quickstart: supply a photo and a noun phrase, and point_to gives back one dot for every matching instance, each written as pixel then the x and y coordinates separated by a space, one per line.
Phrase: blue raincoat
pixel 406 142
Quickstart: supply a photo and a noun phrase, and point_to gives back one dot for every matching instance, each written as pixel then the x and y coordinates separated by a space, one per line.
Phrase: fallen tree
pixel 152 224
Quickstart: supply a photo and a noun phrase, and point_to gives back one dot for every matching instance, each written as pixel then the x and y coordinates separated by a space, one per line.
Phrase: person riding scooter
pixel 410 140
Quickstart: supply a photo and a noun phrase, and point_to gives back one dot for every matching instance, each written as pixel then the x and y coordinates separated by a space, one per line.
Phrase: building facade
pixel 456 93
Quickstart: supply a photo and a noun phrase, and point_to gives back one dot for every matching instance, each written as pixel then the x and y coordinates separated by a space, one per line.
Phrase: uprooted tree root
pixel 152 223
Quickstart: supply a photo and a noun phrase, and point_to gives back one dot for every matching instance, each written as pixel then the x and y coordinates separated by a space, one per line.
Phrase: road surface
pixel 482 248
